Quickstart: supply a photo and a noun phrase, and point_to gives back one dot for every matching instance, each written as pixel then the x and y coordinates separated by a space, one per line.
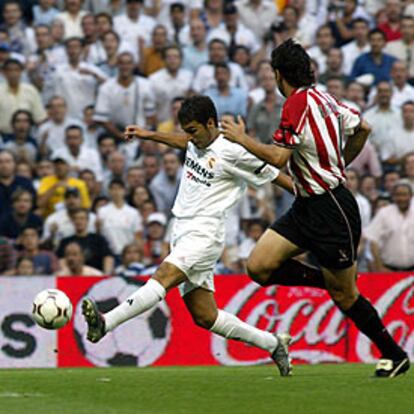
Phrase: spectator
pixel 324 43
pixel 195 53
pixel 110 43
pixel 355 93
pixel 43 169
pixel 408 167
pixel 21 37
pixel 94 186
pixel 106 146
pixel 52 188
pixel 131 260
pixel 172 124
pixel 403 49
pixel 59 225
pixel 265 115
pixel 375 62
pixel 125 100
pixel 151 59
pixel 133 24
pixel 90 37
pixel 71 18
pixel 10 182
pixel 170 82
pixel 364 206
pixel 402 91
pixel 390 178
pixel 242 57
pixel 291 26
pixel 233 32
pixel 164 185
pixel 44 12
pixel 390 233
pixel 20 215
pixel 368 188
pixel 151 167
pixel 7 256
pixel 257 15
pixel 154 247
pixel 360 45
pixel 135 177
pixel 367 162
pixel 24 169
pixel 139 195
pixel 383 118
pixel 255 229
pixel 20 143
pixel 77 154
pixel 17 95
pixel 228 99
pixel 217 53
pixel 24 267
pixel 76 80
pixel 116 169
pixel 178 30
pixel 334 63
pixel 75 263
pixel 212 14
pixel 120 223
pixel 94 246
pixel 51 134
pixel 92 129
pixel 391 27
pixel 45 262
pixel 403 140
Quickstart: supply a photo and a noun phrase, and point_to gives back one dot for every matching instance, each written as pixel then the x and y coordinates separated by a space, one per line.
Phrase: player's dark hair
pixel 197 108
pixel 293 63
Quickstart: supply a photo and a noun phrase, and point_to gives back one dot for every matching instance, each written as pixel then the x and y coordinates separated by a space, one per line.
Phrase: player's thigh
pixel 202 307
pixel 270 252
pixel 341 285
pixel 169 275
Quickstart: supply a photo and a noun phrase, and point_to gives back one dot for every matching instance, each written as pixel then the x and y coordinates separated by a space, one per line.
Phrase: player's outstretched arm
pixel 284 181
pixel 175 140
pixel 272 154
pixel 356 142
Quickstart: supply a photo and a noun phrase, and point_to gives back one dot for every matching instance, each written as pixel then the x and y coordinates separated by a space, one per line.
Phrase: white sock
pixel 232 327
pixel 141 300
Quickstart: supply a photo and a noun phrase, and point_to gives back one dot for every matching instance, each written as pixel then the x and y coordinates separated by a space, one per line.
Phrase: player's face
pixel 201 135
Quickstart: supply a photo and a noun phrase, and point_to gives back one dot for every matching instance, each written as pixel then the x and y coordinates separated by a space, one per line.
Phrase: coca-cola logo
pixel 319 330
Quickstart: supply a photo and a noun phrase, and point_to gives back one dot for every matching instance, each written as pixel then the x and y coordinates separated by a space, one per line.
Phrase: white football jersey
pixel 216 177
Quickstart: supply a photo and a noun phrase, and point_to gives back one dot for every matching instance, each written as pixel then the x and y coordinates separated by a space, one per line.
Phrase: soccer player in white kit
pixel 215 176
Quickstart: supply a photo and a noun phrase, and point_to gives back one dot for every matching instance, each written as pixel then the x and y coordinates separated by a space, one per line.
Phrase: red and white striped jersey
pixel 314 125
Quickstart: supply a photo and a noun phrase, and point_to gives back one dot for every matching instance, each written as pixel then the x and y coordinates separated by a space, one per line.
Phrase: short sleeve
pixel 149 98
pixel 350 118
pixel 252 170
pixel 103 102
pixel 291 121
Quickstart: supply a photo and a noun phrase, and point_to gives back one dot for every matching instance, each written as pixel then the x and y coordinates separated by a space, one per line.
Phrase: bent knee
pixel 259 272
pixel 204 321
pixel 344 300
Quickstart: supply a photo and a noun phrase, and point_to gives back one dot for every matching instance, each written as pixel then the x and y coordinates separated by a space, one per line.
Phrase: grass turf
pixel 331 389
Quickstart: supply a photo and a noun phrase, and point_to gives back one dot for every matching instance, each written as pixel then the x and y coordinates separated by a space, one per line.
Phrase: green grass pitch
pixel 319 389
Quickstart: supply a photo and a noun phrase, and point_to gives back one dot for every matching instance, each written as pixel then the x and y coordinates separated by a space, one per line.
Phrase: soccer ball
pixel 52 309
pixel 138 342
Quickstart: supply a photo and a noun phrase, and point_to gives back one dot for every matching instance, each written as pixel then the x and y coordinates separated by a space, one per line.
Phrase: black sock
pixel 367 320
pixel 295 273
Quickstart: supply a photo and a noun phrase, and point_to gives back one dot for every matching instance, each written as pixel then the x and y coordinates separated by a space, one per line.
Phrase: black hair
pixel 74 39
pixel 22 259
pixel 20 112
pixel 171 47
pixel 107 16
pixel 30 227
pixel 7 2
pixel 42 26
pixel 12 61
pixel 113 33
pixel 74 126
pixel 377 31
pixel 360 20
pixel 104 136
pixel 409 102
pixel 177 6
pixel 323 27
pixel 216 40
pixel 178 99
pixel 222 65
pixel 293 63
pixel 198 108
pixel 117 181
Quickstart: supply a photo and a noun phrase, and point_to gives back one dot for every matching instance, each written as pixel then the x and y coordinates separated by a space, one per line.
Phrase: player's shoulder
pixel 297 101
pixel 227 150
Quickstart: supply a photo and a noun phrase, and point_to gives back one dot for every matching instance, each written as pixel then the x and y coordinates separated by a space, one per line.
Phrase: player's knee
pixel 257 272
pixel 343 299
pixel 204 321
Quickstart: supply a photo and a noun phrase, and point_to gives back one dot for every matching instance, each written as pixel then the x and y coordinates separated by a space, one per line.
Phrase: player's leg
pixel 341 285
pixel 271 263
pixel 166 277
pixel 202 306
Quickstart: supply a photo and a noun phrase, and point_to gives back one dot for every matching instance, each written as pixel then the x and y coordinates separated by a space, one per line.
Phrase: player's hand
pixel 135 131
pixel 233 131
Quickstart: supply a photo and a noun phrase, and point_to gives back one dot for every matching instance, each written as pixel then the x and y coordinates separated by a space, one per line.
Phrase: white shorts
pixel 196 246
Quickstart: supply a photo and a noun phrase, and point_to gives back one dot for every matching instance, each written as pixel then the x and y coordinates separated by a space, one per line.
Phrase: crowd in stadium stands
pixel 75 199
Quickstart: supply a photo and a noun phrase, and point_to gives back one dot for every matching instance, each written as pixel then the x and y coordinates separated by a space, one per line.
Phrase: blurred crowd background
pixel 75 199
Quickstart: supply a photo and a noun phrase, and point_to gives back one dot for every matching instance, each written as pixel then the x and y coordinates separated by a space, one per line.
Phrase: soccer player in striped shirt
pixel 317 138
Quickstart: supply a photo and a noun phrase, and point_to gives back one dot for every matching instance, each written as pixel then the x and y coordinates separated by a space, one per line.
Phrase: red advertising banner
pixel 166 335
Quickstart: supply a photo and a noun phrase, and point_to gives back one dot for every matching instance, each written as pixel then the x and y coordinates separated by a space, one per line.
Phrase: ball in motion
pixel 52 309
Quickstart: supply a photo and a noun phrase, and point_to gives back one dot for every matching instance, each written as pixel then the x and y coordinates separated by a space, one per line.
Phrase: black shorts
pixel 328 225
